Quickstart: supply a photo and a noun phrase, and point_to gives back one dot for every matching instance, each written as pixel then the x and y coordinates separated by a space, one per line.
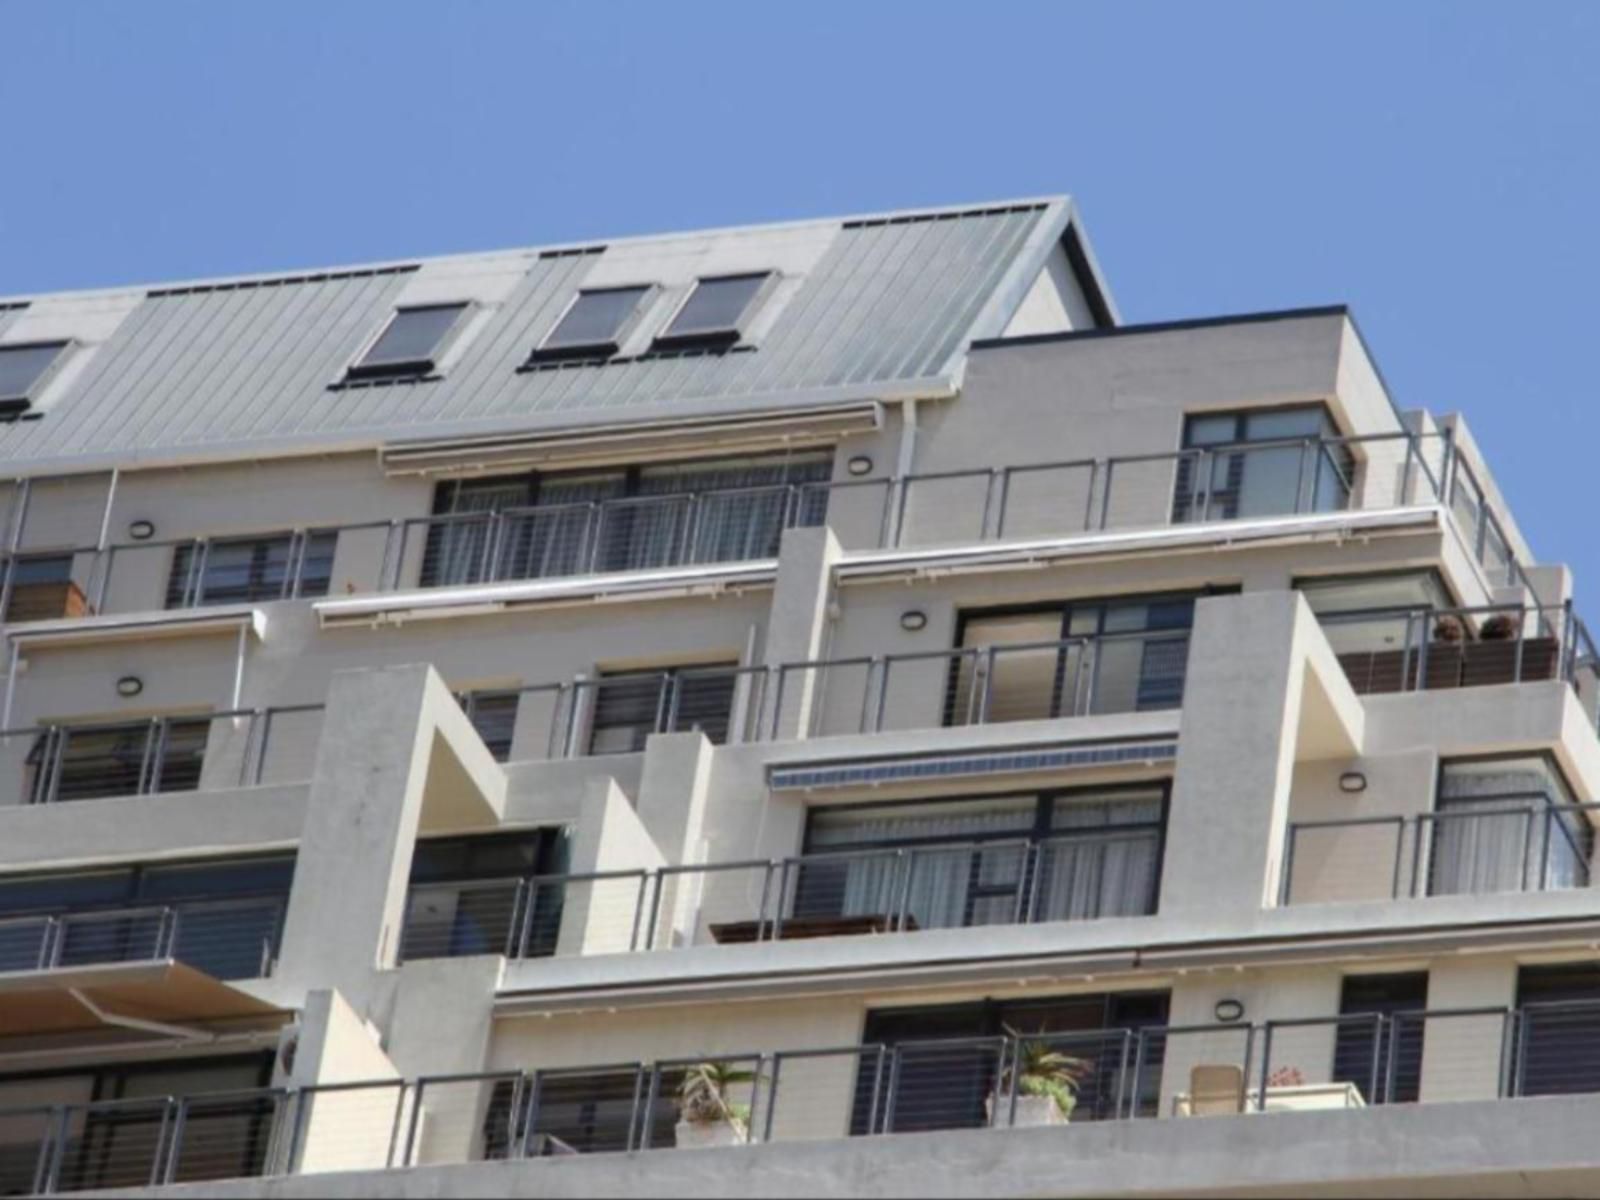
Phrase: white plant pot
pixel 697 1135
pixel 1031 1111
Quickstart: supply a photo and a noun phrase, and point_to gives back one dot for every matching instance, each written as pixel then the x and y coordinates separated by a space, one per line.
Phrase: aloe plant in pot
pixel 1046 1083
pixel 707 1113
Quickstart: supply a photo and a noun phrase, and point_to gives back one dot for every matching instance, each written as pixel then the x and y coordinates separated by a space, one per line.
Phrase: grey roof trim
pixel 551 250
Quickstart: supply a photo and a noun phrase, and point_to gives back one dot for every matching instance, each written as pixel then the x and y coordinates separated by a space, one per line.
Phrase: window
pixel 468 895
pixel 1507 825
pixel 1364 613
pixel 1383 1058
pixel 131 758
pixel 249 570
pixel 1132 657
pixel 230 913
pixel 716 311
pixel 1558 1043
pixel 42 588
pixel 595 324
pixel 25 368
pixel 1228 474
pixel 548 524
pixel 412 343
pixel 988 861
pixel 113 1145
pixel 631 705
pixel 494 715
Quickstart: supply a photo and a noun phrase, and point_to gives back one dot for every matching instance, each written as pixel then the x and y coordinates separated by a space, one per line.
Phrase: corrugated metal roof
pixel 207 370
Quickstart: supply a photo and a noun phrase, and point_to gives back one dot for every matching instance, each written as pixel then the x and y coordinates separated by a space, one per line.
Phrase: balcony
pixel 1202 485
pixel 1091 873
pixel 226 939
pixel 96 761
pixel 1132 1073
pixel 1499 844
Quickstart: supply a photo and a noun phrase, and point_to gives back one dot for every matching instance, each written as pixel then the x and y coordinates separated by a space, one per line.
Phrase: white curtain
pixel 1503 827
pixel 1094 870
pixel 456 548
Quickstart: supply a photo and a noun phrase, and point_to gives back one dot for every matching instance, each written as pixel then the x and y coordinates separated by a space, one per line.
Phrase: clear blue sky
pixel 1434 165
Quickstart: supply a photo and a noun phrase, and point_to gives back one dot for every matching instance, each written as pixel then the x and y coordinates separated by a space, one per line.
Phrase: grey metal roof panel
pixel 209 370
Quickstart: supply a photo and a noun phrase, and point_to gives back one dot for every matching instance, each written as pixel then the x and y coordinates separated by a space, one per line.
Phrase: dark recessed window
pixel 716 311
pixel 595 324
pixel 24 370
pixel 412 343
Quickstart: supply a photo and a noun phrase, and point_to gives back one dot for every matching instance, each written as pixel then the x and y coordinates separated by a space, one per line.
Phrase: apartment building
pixel 819 708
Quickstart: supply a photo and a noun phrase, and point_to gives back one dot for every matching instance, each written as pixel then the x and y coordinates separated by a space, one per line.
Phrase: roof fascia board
pixel 372 440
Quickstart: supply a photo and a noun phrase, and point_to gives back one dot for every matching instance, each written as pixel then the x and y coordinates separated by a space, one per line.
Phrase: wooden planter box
pixel 1452 665
pixel 46 601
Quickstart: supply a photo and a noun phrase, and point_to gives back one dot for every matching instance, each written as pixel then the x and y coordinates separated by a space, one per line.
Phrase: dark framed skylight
pixel 412 343
pixel 25 368
pixel 595 323
pixel 717 312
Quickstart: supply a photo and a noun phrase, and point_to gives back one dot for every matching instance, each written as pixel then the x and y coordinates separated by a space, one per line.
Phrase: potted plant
pixel 707 1113
pixel 1448 628
pixel 1046 1084
pixel 1498 628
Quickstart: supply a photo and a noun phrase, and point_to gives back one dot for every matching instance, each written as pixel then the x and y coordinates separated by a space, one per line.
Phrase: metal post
pixel 390 555
pixel 1266 1065
pixel 179 1110
pixel 1399 851
pixel 782 672
pixel 637 1128
pixel 772 1095
pixel 1122 1070
pixel 894 1088
pixel 1418 887
pixel 655 911
pixel 783 899
pixel 1300 477
pixel 766 892
pixel 1287 882
pixel 1392 1075
pixel 1105 497
pixel 883 695
pixel 877 1088
pixel 1088 500
pixel 638 910
pixel 988 504
pixel 411 1126
pixel 1010 1081
pixel 1406 468
pixel 530 1115
pixel 1005 503
pixel 902 909
pixel 985 694
pixel 1139 1044
pixel 1377 1056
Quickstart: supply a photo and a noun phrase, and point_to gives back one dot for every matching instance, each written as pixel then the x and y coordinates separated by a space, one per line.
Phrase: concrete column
pixel 391 737
pixel 348 1129
pixel 608 916
pixel 797 624
pixel 1236 749
pixel 672 805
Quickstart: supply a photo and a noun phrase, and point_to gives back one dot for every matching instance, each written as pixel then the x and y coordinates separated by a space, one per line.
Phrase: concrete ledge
pixel 1539 1147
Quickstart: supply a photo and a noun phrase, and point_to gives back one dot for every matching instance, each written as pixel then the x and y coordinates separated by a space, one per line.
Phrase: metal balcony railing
pixel 230 939
pixel 1131 1072
pixel 1509 842
pixel 235 748
pixel 1029 500
pixel 959 884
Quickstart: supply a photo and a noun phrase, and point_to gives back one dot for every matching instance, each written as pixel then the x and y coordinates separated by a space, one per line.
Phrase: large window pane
pixel 1507 825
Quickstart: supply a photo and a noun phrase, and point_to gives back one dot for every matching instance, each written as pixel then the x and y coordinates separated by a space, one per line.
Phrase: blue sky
pixel 1433 165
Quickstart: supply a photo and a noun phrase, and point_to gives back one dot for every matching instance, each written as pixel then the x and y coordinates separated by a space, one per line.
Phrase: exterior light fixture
pixel 1352 781
pixel 913 619
pixel 130 685
pixel 859 465
pixel 141 531
pixel 1228 1011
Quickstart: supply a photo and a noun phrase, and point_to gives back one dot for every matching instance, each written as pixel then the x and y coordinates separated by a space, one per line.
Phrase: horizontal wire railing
pixel 61 762
pixel 1088 874
pixel 230 939
pixel 1043 499
pixel 1508 842
pixel 1017 1078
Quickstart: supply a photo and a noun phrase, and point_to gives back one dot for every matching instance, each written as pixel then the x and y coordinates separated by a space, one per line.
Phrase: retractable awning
pixel 162 996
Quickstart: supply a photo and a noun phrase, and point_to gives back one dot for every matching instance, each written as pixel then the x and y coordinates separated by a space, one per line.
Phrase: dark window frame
pixel 363 367
pixel 550 349
pixel 1184 484
pixel 719 337
pixel 308 546
pixel 20 402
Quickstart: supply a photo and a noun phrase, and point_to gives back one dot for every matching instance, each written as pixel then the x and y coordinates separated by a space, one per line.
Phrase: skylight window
pixel 716 311
pixel 24 370
pixel 412 343
pixel 595 324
